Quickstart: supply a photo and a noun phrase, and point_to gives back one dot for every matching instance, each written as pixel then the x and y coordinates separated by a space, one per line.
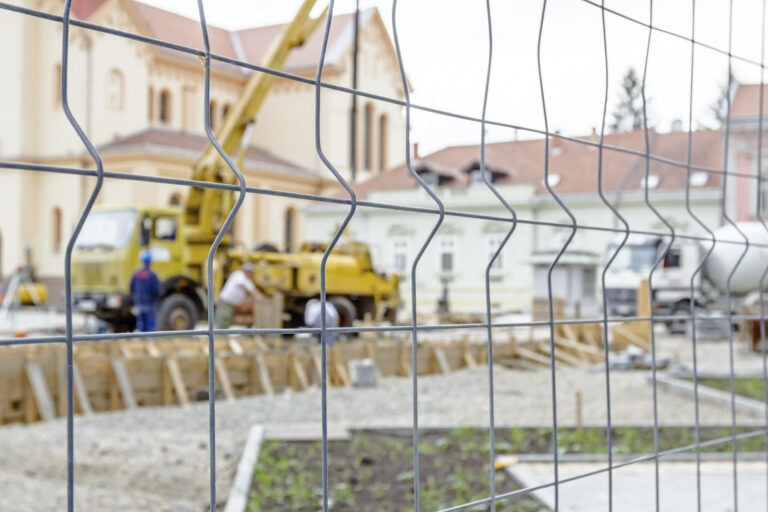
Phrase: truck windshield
pixel 107 230
pixel 634 257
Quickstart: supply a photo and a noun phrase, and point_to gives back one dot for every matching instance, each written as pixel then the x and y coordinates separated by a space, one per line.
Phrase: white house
pixel 477 222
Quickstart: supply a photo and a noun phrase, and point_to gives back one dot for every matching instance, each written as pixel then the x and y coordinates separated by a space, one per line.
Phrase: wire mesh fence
pixel 510 221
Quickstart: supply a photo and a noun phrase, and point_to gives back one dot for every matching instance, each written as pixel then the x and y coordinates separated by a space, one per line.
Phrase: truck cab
pixel 106 254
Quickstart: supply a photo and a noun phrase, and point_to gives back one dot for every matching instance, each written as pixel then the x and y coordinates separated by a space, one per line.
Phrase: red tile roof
pixel 164 140
pixel 576 163
pixel 746 101
pixel 82 9
pixel 254 42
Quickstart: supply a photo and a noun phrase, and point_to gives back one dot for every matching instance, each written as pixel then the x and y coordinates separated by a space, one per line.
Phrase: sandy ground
pixel 157 458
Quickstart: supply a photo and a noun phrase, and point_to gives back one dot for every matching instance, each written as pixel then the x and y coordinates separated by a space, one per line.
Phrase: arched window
pixel 56 229
pixel 165 107
pixel 212 114
pixel 115 89
pixel 175 199
pixel 383 123
pixel 151 104
pixel 290 226
pixel 368 137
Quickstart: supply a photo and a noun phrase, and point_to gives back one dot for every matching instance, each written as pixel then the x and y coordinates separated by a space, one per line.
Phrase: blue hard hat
pixel 145 257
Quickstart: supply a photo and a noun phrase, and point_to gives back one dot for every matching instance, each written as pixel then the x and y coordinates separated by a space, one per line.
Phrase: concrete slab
pixel 633 486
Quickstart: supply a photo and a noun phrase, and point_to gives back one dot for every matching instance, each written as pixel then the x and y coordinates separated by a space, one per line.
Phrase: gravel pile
pixel 157 458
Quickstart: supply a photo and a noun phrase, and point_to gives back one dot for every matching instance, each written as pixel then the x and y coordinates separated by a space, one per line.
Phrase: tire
pixel 265 247
pixel 346 310
pixel 177 312
pixel 682 308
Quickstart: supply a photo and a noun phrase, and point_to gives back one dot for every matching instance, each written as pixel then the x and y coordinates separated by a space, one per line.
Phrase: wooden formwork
pixel 125 374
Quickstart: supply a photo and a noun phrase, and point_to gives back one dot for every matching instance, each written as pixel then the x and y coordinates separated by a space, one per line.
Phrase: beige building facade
pixel 143 108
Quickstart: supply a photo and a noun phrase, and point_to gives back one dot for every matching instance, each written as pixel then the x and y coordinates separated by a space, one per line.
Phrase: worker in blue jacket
pixel 145 290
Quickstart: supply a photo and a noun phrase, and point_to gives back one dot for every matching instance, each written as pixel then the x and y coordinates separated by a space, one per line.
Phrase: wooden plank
pixel 167 384
pixel 124 383
pixel 301 375
pixel 266 382
pixel 403 357
pixel 235 346
pixel 153 350
pixel 177 380
pixel 560 355
pixel 468 358
pixel 223 375
pixel 534 356
pixel 81 391
pixel 442 360
pixel 40 390
pixel 61 378
pixel 318 366
pixel 632 338
pixel 583 351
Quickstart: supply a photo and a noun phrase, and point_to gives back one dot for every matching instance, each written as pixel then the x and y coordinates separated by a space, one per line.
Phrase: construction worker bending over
pixel 312 315
pixel 237 290
pixel 145 290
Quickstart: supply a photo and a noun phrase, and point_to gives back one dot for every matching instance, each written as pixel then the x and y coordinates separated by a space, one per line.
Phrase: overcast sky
pixel 445 51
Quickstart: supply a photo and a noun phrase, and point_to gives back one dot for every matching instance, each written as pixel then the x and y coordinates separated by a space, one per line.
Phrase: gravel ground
pixel 157 458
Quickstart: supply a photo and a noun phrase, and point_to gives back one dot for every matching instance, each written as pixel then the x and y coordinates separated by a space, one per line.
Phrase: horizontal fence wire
pixel 350 204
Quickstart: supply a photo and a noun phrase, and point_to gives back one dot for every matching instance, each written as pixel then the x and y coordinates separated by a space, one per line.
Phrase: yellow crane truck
pixel 107 251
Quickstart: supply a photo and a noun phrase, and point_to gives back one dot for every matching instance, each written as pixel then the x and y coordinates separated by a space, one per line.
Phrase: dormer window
pixel 431 179
pixel 652 181
pixel 552 180
pixel 476 177
pixel 698 179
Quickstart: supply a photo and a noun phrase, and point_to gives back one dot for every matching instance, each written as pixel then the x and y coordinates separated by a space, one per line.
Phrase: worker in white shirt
pixel 313 314
pixel 237 290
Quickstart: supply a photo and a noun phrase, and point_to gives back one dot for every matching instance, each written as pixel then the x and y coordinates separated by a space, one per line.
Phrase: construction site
pixel 249 266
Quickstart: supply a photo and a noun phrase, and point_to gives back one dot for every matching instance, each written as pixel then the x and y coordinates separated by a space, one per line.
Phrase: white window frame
pixel 400 249
pixel 492 243
pixel 447 244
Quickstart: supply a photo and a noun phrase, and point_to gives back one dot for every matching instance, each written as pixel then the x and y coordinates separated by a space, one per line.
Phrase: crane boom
pixel 206 208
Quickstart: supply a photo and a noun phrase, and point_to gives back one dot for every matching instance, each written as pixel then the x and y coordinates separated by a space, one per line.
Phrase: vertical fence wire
pixel 212 253
pixel 416 260
pixel 609 262
pixel 668 238
pixel 70 247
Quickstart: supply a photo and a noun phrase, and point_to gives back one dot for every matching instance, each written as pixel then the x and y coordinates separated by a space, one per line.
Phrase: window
pixel 175 199
pixel 368 137
pixel 290 221
pixel 383 122
pixel 492 244
pixel 400 255
pixel 552 180
pixel 652 181
pixel 56 231
pixel 430 178
pixel 115 89
pixel 699 179
pixel 165 107
pixel 151 104
pixel 672 259
pixel 165 228
pixel 212 114
pixel 589 282
pixel 447 254
pixel 476 177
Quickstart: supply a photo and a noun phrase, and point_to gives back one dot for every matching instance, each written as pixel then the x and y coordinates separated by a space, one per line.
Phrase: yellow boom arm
pixel 206 208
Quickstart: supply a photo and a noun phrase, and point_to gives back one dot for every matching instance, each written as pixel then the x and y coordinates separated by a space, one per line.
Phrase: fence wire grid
pixel 439 213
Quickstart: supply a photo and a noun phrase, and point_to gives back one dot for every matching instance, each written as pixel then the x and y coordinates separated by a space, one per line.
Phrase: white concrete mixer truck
pixel 672 279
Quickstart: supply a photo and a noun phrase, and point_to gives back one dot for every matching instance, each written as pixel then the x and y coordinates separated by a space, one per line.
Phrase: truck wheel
pixel 679 326
pixel 177 312
pixel 346 310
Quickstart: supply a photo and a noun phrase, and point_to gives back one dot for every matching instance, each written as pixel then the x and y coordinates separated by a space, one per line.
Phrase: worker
pixel 312 316
pixel 145 290
pixel 238 288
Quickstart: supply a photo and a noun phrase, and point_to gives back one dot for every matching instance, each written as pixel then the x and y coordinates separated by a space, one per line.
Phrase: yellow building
pixel 142 106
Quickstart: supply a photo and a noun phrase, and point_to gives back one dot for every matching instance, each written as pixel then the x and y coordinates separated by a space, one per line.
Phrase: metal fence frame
pixel 512 221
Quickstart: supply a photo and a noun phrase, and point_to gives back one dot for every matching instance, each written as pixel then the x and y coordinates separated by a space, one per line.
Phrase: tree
pixel 628 114
pixel 719 108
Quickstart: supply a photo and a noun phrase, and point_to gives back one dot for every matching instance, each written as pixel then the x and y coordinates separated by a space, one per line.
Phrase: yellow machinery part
pixel 28 294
